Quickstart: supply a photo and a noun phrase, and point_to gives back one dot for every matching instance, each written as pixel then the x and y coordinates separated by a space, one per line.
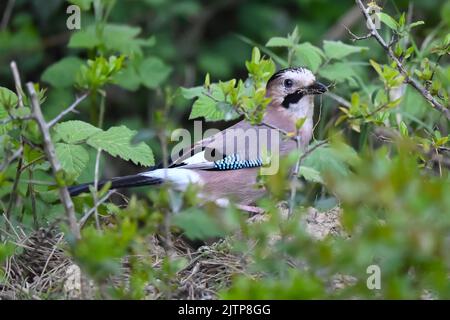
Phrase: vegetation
pixel 79 105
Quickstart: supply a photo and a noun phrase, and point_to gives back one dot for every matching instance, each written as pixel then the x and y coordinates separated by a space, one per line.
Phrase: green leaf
pixel 326 158
pixel 86 38
pixel 377 67
pixel 338 49
pixel 210 109
pixel 75 131
pixel 445 13
pixel 128 79
pixel 153 72
pixel 191 93
pixel 388 20
pixel 62 73
pixel 309 56
pixel 416 24
pixel 197 224
pixel 73 158
pixel 122 38
pixel 338 72
pixel 206 107
pixel 117 142
pixel 404 129
pixel 6 250
pixel 8 100
pixel 279 42
pixel 112 37
pixel 310 174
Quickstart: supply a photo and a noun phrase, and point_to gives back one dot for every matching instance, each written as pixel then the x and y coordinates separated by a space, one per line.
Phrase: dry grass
pixel 42 270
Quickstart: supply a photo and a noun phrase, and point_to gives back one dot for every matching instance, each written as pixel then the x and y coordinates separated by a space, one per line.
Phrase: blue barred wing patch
pixel 233 162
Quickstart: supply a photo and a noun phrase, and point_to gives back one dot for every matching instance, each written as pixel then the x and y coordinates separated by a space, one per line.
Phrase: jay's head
pixel 294 88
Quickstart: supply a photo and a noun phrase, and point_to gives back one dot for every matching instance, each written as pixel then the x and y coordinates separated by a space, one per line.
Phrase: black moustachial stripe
pixel 233 162
pixel 292 98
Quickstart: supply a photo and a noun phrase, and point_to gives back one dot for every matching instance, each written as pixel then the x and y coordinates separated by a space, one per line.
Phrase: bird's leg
pixel 224 203
pixel 251 209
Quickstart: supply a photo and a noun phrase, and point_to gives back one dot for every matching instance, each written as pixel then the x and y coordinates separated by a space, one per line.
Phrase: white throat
pixel 304 108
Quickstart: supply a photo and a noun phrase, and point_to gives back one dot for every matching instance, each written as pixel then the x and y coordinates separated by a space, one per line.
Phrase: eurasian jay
pixel 225 165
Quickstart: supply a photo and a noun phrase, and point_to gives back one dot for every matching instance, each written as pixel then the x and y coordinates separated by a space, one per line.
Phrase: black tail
pixel 119 182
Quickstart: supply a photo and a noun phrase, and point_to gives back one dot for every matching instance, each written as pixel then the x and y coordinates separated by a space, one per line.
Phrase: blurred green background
pixel 192 37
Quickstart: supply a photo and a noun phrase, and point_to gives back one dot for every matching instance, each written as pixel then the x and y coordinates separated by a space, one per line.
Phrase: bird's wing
pixel 213 152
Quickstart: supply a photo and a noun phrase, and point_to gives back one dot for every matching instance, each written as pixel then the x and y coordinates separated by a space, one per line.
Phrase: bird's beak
pixel 317 88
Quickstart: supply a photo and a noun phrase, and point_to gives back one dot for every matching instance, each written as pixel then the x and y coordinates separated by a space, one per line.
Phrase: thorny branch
pixel 400 67
pixel 53 160
pixel 18 83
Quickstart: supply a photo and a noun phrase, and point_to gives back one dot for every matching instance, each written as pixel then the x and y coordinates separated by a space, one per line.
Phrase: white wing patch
pixel 197 158
pixel 179 177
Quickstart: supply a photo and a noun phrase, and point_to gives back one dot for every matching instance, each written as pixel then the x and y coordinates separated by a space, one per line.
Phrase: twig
pixel 18 83
pixel 33 198
pixel 338 99
pixel 29 164
pixel 294 181
pixel 95 192
pixel 7 14
pixel 337 31
pixel 294 176
pixel 55 246
pixel 7 162
pixel 92 210
pixel 408 79
pixel 15 185
pixel 68 110
pixel 284 132
pixel 12 118
pixel 310 150
pixel 53 160
pixel 390 135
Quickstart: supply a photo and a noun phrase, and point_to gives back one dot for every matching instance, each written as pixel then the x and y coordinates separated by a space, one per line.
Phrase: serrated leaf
pixel 75 131
pixel 338 49
pixel 117 142
pixel 62 73
pixel 153 72
pixel 73 158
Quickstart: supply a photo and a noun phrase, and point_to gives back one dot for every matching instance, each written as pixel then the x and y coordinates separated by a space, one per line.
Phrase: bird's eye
pixel 288 83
